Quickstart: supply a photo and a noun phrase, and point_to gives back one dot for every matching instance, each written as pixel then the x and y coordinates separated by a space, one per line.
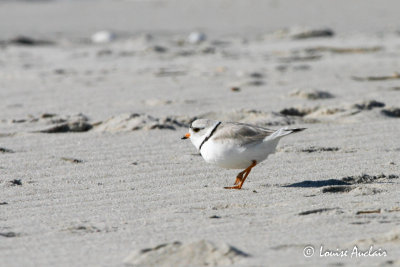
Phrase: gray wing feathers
pixel 242 133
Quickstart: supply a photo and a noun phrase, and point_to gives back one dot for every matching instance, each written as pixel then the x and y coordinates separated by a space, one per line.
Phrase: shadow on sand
pixel 317 183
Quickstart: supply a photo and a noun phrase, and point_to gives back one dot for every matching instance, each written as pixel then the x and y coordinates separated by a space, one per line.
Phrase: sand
pixel 92 168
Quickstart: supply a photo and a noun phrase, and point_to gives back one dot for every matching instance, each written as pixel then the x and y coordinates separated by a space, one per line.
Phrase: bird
pixel 234 145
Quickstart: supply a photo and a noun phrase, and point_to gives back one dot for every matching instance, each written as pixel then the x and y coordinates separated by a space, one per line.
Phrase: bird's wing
pixel 241 133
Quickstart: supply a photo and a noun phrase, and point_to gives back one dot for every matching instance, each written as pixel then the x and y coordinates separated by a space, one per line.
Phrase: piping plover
pixel 234 145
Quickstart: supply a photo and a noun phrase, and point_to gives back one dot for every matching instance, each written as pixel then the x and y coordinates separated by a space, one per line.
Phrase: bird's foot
pixel 239 186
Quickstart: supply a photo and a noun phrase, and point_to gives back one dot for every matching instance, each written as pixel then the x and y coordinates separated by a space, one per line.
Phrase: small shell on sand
pixel 196 37
pixel 102 37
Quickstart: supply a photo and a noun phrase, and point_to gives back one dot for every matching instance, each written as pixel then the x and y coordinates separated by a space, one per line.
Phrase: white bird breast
pixel 233 156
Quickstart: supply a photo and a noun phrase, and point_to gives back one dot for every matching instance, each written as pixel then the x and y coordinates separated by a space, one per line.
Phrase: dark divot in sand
pixel 60 71
pixel 162 127
pixel 318 33
pixel 293 112
pixel 368 211
pixel 185 53
pixel 169 73
pixel 72 160
pixel 84 229
pixel 18 121
pixel 254 83
pixel 104 52
pixel 299 67
pixel 368 105
pixel 312 149
pixel 337 189
pixel 9 234
pixel 215 217
pixel 391 112
pixel 377 78
pixel 69 127
pixel 358 223
pixel 312 94
pixel 47 115
pixel 345 50
pixel 28 41
pixel 208 50
pixel 299 58
pixel 366 179
pixel 316 211
pixel 257 75
pixel 330 182
pixel 6 150
pixel 178 122
pixel 3 203
pixel 16 182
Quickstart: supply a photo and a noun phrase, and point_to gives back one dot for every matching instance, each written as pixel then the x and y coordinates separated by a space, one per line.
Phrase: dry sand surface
pixel 92 168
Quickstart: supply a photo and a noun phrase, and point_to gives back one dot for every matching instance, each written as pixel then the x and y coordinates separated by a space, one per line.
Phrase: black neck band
pixel 208 137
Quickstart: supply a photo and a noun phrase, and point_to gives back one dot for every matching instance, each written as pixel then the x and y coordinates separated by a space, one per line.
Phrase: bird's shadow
pixel 321 183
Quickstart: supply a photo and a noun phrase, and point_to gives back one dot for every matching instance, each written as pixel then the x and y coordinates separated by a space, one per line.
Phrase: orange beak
pixel 186 136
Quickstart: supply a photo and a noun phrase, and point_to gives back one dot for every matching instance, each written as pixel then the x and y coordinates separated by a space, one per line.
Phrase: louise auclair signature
pixel 356 252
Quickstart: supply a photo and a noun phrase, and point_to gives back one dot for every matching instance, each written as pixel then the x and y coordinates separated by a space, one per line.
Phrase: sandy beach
pixel 92 168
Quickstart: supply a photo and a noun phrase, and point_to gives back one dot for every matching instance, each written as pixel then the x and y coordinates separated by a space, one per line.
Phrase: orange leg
pixel 240 179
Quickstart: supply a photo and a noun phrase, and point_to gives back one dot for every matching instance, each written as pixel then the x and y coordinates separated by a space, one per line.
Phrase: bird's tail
pixel 295 130
pixel 285 131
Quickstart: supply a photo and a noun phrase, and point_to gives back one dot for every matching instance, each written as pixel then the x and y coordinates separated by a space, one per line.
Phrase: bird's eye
pixel 196 130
